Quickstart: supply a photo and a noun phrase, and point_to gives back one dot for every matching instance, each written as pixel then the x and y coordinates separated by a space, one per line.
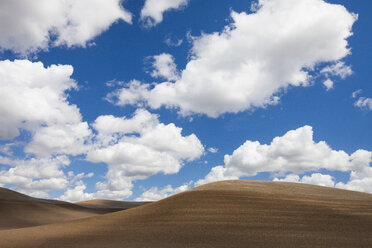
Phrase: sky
pixel 142 99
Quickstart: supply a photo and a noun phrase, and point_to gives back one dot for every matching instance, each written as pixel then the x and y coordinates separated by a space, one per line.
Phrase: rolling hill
pixel 222 214
pixel 18 210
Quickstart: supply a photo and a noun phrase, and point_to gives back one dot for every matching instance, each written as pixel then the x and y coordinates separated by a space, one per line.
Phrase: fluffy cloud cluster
pixel 35 176
pixel 66 139
pixel 296 153
pixel 137 148
pixel 315 178
pixel 338 69
pixel 29 26
pixel 255 58
pixel 77 193
pixel 164 67
pixel 152 12
pixel 364 103
pixel 32 95
pixel 155 194
pixel 34 98
pixel 328 84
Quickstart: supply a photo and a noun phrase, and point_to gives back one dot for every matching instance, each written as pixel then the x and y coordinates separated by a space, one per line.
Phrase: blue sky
pixel 139 100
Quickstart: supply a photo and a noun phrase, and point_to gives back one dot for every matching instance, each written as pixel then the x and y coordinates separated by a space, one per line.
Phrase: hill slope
pixel 18 211
pixel 224 214
pixel 108 204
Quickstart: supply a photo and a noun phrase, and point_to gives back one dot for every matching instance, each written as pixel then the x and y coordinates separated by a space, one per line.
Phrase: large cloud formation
pixel 32 96
pixel 153 10
pixel 254 59
pixel 35 177
pixel 137 148
pixel 34 100
pixel 29 26
pixel 294 154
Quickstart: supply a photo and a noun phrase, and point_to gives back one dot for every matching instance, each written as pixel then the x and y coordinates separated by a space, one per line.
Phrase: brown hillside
pixel 108 204
pixel 224 214
pixel 18 211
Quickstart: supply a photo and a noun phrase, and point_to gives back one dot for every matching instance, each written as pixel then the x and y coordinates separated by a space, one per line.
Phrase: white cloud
pixel 356 93
pixel 76 194
pixel 328 84
pixel 35 177
pixel 31 95
pixel 315 178
pixel 296 153
pixel 363 184
pixel 152 12
pixel 113 83
pixel 6 149
pixel 29 26
pixel 173 41
pixel 217 173
pixel 156 194
pixel 243 67
pixel 212 150
pixel 364 103
pixel 338 69
pixel 133 93
pixel 137 148
pixel 164 67
pixel 67 139
pixel 34 98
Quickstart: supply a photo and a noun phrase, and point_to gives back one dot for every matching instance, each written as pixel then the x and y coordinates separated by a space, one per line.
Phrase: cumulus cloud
pixel 134 93
pixel 255 58
pixel 155 194
pixel 217 173
pixel 77 193
pixel 356 93
pixel 212 150
pixel 35 177
pixel 34 98
pixel 358 183
pixel 364 103
pixel 32 95
pixel 137 148
pixel 315 178
pixel 338 69
pixel 66 139
pixel 164 67
pixel 173 41
pixel 29 26
pixel 328 84
pixel 295 153
pixel 39 176
pixel 153 10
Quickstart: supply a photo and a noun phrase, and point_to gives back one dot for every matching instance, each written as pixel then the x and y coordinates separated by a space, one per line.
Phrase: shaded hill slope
pixel 108 204
pixel 223 214
pixel 18 210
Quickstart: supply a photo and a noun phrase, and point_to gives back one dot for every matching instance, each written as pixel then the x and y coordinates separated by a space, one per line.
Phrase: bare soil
pixel 224 214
